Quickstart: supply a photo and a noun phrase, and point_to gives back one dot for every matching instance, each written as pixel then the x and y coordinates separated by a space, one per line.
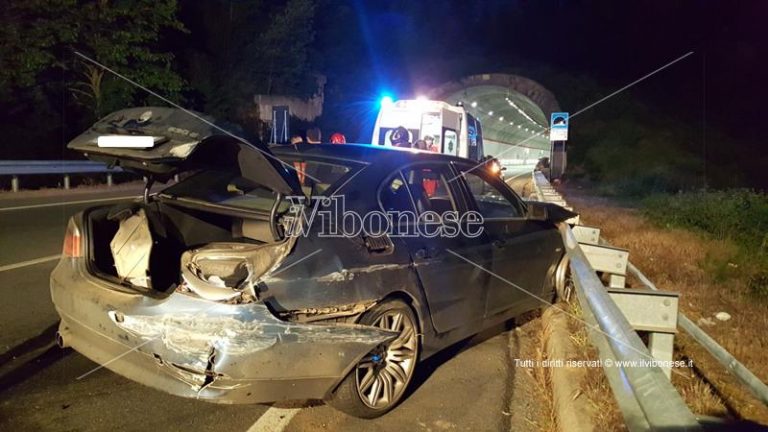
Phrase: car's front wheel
pixel 379 381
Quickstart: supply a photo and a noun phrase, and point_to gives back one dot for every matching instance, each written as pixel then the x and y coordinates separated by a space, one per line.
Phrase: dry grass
pixel 702 272
pixel 700 396
pixel 607 416
pixel 543 380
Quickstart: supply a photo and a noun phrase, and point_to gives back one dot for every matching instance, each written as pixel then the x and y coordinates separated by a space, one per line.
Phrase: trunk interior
pixel 174 230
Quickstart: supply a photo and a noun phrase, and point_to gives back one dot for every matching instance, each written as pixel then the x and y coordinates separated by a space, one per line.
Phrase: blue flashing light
pixel 386 101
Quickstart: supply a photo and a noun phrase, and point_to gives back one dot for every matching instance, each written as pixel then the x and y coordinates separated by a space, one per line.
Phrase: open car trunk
pixel 159 247
pixel 218 243
pixel 161 142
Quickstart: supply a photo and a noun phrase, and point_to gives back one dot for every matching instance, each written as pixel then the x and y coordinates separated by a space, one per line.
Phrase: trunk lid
pixel 160 142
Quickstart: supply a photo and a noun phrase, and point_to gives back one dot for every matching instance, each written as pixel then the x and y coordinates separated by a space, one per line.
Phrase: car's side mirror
pixel 544 211
pixel 537 211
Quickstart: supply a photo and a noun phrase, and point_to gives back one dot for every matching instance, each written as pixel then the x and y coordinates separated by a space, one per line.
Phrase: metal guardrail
pixel 15 168
pixel 749 379
pixel 647 399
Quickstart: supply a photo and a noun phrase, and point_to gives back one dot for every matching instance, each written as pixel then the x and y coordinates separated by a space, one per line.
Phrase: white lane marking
pixel 29 263
pixel 67 203
pixel 274 420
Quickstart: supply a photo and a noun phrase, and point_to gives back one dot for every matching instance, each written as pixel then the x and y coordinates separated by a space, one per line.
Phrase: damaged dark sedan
pixel 198 290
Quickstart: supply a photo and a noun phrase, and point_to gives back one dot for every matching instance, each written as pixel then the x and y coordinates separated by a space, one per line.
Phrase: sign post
pixel 280 126
pixel 558 135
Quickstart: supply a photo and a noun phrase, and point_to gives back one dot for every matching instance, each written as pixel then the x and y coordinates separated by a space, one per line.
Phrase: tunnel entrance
pixel 514 111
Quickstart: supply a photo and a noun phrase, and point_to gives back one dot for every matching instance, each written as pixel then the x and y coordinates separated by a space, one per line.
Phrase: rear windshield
pixel 316 176
pixel 231 189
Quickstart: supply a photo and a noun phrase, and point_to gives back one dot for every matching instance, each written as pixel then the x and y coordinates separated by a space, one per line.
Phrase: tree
pixel 283 51
pixel 41 37
pixel 241 49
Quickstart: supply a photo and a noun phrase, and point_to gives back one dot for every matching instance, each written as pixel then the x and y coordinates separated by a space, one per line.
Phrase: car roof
pixel 366 153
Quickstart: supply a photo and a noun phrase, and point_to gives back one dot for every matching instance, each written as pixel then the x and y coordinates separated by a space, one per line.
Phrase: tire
pixel 562 280
pixel 378 382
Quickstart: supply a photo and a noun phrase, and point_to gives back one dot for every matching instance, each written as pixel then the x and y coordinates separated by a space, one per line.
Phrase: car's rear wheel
pixel 563 282
pixel 379 381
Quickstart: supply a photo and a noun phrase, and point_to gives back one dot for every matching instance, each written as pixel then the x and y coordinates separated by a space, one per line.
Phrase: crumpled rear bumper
pixel 195 348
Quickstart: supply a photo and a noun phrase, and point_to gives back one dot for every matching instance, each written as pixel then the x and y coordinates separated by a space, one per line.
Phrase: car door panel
pixel 522 250
pixel 521 256
pixel 454 287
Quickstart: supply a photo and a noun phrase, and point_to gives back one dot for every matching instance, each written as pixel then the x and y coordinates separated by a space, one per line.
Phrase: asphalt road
pixel 31 234
pixel 468 387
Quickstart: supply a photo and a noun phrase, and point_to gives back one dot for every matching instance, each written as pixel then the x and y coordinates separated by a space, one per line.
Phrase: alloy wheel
pixel 383 374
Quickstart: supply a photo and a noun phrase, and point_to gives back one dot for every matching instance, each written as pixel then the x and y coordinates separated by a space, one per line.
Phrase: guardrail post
pixel 109 179
pixel 662 346
pixel 15 183
pixel 749 379
pixel 662 405
pixel 66 181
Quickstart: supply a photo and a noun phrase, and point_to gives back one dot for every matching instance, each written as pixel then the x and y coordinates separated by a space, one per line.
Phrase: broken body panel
pixel 187 346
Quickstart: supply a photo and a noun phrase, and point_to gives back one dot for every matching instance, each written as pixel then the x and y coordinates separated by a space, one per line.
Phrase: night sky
pixel 613 42
pixel 580 50
pixel 401 46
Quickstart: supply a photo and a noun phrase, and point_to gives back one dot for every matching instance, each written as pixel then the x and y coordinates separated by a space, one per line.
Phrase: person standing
pixel 338 138
pixel 429 141
pixel 314 136
pixel 400 137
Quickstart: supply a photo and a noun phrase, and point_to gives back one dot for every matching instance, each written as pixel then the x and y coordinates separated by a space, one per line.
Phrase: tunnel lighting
pixel 386 101
pixel 501 118
pixel 490 113
pixel 519 126
pixel 474 104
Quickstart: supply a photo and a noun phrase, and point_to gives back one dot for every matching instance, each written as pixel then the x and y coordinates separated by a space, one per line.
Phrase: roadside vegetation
pixel 709 247
pixel 738 216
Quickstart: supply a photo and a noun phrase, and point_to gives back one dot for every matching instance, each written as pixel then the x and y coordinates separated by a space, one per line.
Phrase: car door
pixel 455 289
pixel 522 250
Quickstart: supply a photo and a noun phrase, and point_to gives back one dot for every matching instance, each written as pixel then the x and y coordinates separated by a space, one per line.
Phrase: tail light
pixel 73 242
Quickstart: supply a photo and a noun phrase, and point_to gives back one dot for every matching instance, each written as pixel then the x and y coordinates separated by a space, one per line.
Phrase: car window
pixel 491 202
pixel 316 176
pixel 230 188
pixel 429 186
pixel 224 188
pixel 394 195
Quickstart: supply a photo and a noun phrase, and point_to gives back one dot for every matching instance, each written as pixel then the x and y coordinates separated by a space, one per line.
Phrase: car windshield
pixel 231 188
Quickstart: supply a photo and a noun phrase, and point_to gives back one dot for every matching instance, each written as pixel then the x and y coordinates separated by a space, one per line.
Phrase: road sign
pixel 558 126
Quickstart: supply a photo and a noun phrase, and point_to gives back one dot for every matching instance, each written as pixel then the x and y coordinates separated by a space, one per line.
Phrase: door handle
pixel 499 243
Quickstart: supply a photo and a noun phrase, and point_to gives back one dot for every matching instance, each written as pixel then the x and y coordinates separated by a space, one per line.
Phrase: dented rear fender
pixel 230 353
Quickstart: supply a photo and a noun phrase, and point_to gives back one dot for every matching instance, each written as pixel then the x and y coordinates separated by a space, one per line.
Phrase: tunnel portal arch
pixel 514 111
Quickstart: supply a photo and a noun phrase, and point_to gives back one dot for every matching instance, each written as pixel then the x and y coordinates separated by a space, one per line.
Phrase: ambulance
pixel 452 129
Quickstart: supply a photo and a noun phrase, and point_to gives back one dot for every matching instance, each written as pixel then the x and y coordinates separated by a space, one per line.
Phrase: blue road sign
pixel 558 126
